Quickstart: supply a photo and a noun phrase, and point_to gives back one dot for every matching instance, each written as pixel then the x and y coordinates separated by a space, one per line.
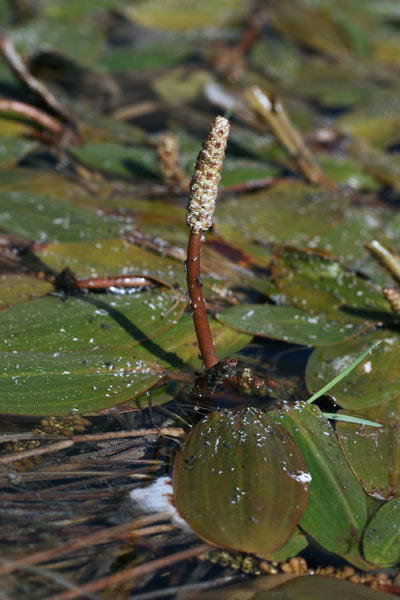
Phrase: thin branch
pixel 99 537
pixel 63 444
pixel 18 67
pixel 119 577
pixel 33 114
pixel 203 194
pixel 273 113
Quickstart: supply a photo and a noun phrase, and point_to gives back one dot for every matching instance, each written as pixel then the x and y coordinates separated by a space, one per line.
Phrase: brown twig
pixel 386 257
pixel 18 67
pixel 121 576
pixel 33 114
pixel 272 111
pixel 100 537
pixel 203 193
pixel 172 431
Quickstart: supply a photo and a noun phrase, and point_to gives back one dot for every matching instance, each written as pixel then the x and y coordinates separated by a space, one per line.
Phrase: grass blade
pixel 343 374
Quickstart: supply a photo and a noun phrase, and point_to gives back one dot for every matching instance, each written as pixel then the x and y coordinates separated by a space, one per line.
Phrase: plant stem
pixel 197 302
pixel 200 210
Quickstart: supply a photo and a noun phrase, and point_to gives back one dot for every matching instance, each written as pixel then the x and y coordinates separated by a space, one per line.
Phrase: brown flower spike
pixel 207 174
pixel 203 193
pixel 393 297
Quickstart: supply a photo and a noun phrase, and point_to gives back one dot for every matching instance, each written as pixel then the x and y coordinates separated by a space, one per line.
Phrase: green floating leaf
pixel 345 239
pixel 318 284
pixel 263 215
pixel 346 171
pixel 248 513
pixel 290 586
pixel 152 56
pixel 377 120
pixel 43 219
pixel 292 547
pixel 375 382
pixel 16 288
pixel 318 587
pixel 179 15
pixel 111 257
pixel 12 150
pixel 58 354
pixel 374 454
pixel 286 323
pixel 343 373
pixel 381 542
pixel 81 41
pixel 336 512
pixel 76 8
pixel 116 159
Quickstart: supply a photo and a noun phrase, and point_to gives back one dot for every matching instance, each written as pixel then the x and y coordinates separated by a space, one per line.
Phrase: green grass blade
pixel 343 374
pixel 350 419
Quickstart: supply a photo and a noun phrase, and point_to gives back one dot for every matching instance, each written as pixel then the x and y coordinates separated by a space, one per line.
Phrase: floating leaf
pixel 43 219
pixel 381 542
pixel 263 215
pixel 317 283
pixel 58 354
pixel 81 41
pixel 377 121
pixel 336 512
pixel 12 150
pixel 116 159
pixel 179 15
pixel 248 513
pixel 373 383
pixel 374 454
pixel 287 323
pixel 317 587
pixel 17 287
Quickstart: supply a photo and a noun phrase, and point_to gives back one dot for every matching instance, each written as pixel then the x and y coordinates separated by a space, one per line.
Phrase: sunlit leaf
pixel 287 324
pixel 263 216
pixel 375 382
pixel 248 513
pixel 381 542
pixel 336 512
pixel 374 454
pixel 317 283
pixel 129 161
pixel 16 288
pixel 43 219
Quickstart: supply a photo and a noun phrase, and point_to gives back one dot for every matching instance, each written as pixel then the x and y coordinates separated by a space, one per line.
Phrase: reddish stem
pixel 33 114
pixel 197 301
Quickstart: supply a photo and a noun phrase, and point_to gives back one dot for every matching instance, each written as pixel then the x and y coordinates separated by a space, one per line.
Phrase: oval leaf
pixel 337 511
pixel 241 482
pixel 287 323
pixel 382 537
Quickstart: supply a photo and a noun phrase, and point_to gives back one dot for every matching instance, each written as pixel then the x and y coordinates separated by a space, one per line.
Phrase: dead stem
pixel 19 68
pixel 99 537
pixel 273 113
pixel 387 258
pixel 33 114
pixel 203 194
pixel 121 576
pixel 172 431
